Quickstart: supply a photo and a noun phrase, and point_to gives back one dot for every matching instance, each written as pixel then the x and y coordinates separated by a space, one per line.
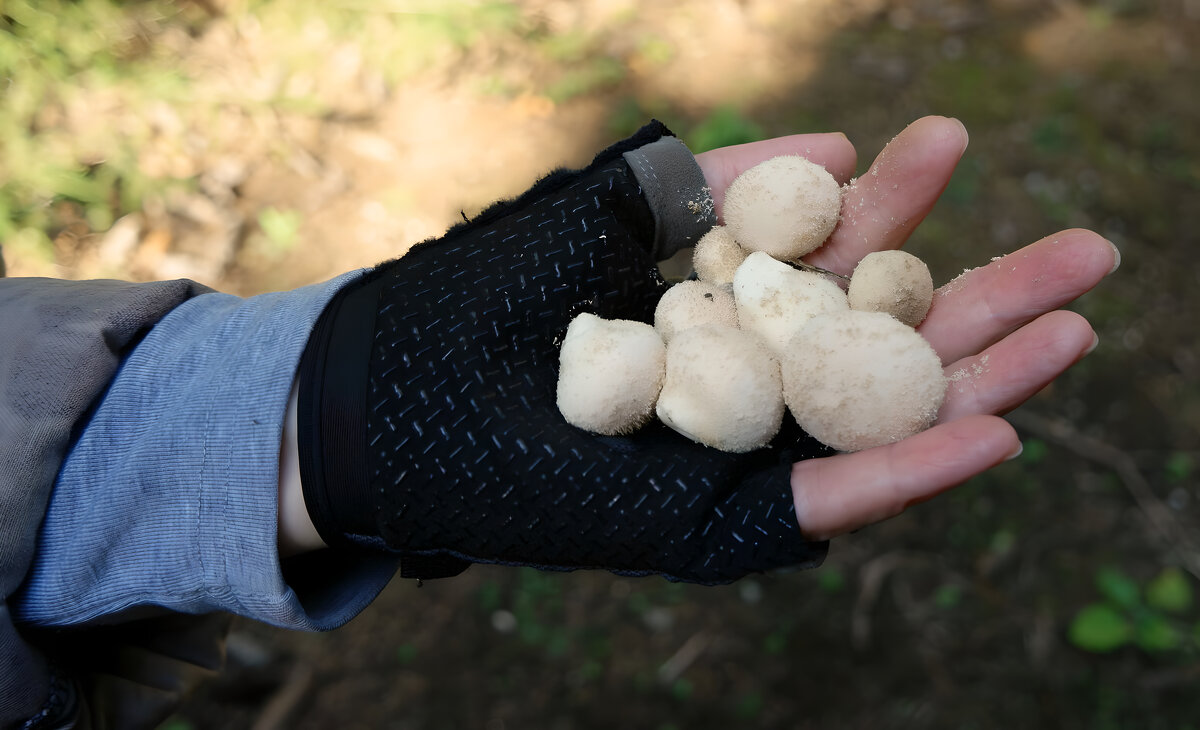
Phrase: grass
pixel 90 84
pixel 57 58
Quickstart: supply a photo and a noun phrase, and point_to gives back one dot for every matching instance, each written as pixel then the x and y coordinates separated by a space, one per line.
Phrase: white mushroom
pixel 692 303
pixel 610 374
pixel 854 380
pixel 775 300
pixel 722 389
pixel 717 256
pixel 786 206
pixel 894 282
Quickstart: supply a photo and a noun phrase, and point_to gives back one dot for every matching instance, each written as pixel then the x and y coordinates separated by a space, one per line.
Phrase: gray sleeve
pixel 168 497
pixel 60 343
pixel 678 195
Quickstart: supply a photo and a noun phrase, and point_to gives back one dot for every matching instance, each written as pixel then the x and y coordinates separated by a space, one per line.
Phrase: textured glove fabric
pixel 428 417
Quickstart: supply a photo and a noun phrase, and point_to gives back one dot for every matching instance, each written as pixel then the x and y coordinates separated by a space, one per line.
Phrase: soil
pixel 955 614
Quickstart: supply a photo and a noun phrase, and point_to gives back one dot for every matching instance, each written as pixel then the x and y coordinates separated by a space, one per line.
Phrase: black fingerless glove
pixel 427 411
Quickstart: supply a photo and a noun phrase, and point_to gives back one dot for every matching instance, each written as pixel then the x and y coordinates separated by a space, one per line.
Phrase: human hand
pixel 461 454
pixel 997 324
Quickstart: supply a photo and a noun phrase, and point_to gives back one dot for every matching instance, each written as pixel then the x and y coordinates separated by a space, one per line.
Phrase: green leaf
pixel 656 50
pixel 406 653
pixel 750 706
pixel 1099 628
pixel 1170 591
pixel 725 126
pixel 1155 633
pixel 598 73
pixel 99 217
pixel 1179 467
pixel 947 596
pixel 1118 587
pixel 831 580
pixel 489 596
pixel 1002 541
pixel 281 226
pixel 682 689
pixel 591 670
pixel 775 642
pixel 1034 451
pixel 558 641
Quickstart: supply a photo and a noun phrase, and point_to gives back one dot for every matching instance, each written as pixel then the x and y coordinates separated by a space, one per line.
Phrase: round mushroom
pixel 786 206
pixel 610 374
pixel 775 300
pixel 692 303
pixel 854 380
pixel 717 256
pixel 894 282
pixel 722 389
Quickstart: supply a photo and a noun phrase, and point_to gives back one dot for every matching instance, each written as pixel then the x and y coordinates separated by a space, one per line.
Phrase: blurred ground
pixel 272 144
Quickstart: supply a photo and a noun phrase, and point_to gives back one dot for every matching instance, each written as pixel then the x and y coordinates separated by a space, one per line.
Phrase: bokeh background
pixel 263 144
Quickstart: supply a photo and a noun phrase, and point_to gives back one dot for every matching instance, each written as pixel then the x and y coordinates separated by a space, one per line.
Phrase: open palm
pixel 1001 322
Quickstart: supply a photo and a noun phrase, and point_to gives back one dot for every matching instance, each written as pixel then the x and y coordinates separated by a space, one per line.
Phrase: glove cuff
pixel 331 415
pixel 678 195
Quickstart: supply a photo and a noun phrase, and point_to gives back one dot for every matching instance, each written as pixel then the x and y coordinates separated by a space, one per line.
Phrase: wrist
pixel 297 534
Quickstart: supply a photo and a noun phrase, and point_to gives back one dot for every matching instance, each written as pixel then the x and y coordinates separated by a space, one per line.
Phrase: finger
pixel 882 207
pixel 830 150
pixel 842 493
pixel 1010 372
pixel 986 304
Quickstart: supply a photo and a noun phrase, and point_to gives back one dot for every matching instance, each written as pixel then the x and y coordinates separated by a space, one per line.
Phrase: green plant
pixel 1179 466
pixel 57 59
pixel 723 127
pixel 831 580
pixel 406 654
pixel 1150 617
pixel 96 100
pixel 280 227
pixel 592 75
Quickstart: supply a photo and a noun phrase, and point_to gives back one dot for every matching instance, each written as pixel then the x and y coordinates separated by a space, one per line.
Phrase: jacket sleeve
pixel 60 344
pixel 164 474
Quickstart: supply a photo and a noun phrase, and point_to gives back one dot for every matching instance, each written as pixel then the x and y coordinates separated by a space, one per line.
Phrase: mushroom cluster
pixel 757 332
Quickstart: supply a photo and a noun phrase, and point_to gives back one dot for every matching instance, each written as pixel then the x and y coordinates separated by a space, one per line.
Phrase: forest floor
pixel 296 140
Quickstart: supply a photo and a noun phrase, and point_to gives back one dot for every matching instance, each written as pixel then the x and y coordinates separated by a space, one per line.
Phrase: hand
pixel 1000 317
pixel 427 416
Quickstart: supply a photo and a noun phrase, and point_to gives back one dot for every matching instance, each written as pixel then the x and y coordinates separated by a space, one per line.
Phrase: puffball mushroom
pixel 775 300
pixel 722 389
pixel 755 335
pixel 894 282
pixel 717 256
pixel 786 206
pixel 610 374
pixel 692 303
pixel 855 380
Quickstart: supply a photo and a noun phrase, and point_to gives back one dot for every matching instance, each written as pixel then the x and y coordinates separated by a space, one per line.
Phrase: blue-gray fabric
pixel 169 496
pixel 60 343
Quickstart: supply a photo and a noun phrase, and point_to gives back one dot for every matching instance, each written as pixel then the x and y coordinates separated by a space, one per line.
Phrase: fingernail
pixel 966 137
pixel 1116 257
pixel 1094 345
pixel 1015 454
